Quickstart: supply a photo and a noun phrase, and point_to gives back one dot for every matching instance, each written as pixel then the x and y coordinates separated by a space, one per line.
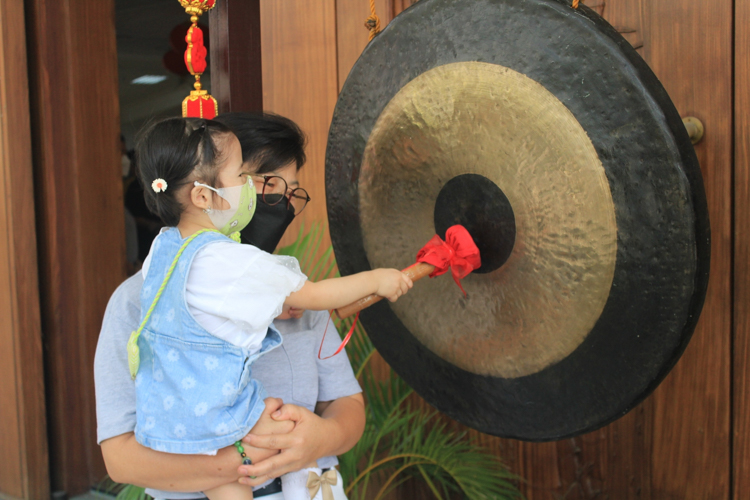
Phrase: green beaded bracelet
pixel 245 459
pixel 241 451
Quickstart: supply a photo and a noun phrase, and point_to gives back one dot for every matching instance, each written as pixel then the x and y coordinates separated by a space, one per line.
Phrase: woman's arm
pixel 129 462
pixel 335 431
pixel 349 413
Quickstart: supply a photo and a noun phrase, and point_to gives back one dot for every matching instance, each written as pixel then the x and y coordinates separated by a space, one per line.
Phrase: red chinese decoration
pixel 199 103
pixel 174 59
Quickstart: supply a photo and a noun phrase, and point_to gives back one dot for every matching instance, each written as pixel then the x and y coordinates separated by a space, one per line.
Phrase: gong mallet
pixel 458 253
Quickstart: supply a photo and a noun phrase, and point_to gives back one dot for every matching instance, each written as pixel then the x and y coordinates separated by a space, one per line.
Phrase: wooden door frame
pixel 25 472
pixel 75 124
pixel 741 268
pixel 236 62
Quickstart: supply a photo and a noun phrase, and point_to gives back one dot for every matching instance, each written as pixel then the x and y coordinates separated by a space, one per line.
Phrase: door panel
pixel 300 82
pixel 688 44
pixel 80 215
pixel 741 376
pixel 23 427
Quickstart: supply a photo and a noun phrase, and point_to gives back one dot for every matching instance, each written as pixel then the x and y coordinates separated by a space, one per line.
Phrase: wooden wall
pixel 741 346
pixel 24 472
pixel 80 220
pixel 679 442
pixel 236 82
pixel 691 450
pixel 307 51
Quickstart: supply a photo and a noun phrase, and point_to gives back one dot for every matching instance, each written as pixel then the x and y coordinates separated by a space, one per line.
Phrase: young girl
pixel 208 302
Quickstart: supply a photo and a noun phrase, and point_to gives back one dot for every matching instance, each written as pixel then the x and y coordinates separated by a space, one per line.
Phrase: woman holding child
pixel 323 414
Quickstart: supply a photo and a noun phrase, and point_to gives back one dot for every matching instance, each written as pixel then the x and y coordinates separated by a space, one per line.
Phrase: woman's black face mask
pixel 269 223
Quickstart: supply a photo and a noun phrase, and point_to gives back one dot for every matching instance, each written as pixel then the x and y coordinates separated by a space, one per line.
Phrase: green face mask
pixel 242 200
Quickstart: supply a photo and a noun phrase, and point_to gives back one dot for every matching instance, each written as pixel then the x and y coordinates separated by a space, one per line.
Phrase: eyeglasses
pixel 275 189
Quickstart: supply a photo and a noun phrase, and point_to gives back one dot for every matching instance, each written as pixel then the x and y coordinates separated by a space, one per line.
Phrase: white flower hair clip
pixel 159 185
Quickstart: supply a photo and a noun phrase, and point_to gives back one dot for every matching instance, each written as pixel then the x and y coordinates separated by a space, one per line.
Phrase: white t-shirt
pixel 235 291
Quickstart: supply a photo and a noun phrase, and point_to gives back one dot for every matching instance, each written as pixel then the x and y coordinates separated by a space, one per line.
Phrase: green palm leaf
pixel 131 492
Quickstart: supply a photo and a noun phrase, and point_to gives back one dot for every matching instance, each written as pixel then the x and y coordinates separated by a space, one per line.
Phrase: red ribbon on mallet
pixel 458 253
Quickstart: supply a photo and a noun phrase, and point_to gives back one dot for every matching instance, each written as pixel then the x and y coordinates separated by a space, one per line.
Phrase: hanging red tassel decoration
pixel 199 103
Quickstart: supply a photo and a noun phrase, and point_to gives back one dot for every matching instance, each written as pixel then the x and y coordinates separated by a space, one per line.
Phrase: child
pixel 208 302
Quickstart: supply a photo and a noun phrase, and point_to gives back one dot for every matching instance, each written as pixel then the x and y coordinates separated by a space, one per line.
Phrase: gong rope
pixel 373 22
pixel 575 4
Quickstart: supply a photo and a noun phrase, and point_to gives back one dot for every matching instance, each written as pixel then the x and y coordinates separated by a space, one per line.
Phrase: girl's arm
pixel 335 431
pixel 129 462
pixel 338 292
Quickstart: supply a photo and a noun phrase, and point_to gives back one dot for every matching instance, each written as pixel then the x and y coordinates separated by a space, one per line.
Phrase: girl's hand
pixel 269 425
pixel 392 283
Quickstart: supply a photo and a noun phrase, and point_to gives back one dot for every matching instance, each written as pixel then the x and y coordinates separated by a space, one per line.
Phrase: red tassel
pixel 199 104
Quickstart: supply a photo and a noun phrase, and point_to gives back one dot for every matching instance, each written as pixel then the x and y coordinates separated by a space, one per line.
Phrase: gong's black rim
pixel 663 253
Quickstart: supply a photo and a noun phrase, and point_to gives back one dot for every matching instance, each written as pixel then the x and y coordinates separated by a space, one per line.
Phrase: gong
pixel 540 129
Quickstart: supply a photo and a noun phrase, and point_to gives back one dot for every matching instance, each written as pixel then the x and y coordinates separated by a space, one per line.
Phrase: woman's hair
pixel 269 140
pixel 177 150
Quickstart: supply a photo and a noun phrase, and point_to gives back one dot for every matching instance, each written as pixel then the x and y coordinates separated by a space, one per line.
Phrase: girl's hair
pixel 177 150
pixel 270 140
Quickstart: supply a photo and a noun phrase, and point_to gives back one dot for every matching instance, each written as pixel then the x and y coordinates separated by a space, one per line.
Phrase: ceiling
pixel 143 28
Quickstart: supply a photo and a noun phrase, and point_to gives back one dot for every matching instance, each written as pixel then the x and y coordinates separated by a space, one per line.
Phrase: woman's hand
pixel 305 444
pixel 337 429
pixel 291 313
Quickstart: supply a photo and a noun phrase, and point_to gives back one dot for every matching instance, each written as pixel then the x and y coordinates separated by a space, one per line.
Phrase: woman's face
pixel 288 173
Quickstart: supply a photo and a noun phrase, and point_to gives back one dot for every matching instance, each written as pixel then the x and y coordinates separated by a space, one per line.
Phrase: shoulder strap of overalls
pixel 134 355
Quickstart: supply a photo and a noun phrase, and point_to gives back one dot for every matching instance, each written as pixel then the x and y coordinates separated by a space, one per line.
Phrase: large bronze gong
pixel 542 131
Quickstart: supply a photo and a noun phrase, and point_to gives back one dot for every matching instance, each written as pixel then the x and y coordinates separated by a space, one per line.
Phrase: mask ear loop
pixel 200 184
pixel 217 191
pixel 235 236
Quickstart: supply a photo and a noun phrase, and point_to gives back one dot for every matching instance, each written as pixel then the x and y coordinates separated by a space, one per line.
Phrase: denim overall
pixel 194 393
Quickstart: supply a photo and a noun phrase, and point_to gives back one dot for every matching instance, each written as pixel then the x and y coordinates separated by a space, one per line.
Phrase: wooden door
pixel 80 216
pixel 741 347
pixel 23 431
pixel 677 443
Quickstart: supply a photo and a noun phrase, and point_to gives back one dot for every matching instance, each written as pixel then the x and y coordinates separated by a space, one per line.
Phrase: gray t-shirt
pixel 291 372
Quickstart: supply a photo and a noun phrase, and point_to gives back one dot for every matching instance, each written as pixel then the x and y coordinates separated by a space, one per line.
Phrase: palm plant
pixel 400 442
pixel 132 492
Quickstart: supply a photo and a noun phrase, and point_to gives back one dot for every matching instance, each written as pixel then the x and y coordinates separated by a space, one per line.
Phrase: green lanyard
pixel 134 354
